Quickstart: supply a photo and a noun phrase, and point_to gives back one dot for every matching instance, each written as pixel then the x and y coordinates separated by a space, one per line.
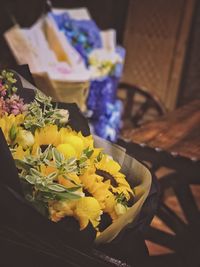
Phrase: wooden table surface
pixel 178 132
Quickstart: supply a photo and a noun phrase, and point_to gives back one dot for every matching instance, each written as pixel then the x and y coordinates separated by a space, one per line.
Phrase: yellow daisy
pixel 19 153
pixel 60 209
pixel 94 184
pixel 87 210
pixel 110 169
pixel 74 140
pixel 10 125
pixel 47 135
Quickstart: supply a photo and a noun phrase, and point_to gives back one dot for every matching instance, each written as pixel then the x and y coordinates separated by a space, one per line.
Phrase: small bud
pixel 25 139
pixel 65 116
pixel 13 132
pixel 14 89
pixel 120 209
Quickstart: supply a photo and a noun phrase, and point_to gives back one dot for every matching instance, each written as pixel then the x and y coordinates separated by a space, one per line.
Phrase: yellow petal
pixel 67 150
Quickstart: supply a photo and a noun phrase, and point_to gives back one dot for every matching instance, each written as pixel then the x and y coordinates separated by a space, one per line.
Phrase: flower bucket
pixel 19 214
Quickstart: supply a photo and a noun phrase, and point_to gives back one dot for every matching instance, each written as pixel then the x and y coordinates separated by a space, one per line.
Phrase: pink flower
pixel 3 108
pixel 2 89
pixel 15 105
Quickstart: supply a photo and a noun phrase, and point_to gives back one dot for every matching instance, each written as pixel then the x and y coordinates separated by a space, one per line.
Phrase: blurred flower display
pixel 84 35
pixel 105 67
pixel 9 101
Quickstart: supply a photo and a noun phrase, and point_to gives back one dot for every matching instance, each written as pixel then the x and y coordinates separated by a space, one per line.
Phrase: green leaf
pixel 35 172
pixel 71 161
pixel 67 195
pixel 73 189
pixel 99 157
pixel 46 196
pixel 89 153
pixel 13 132
pixel 52 176
pixel 14 89
pixel 30 179
pixel 67 178
pixel 82 160
pixel 56 187
pixel 57 155
pixel 21 165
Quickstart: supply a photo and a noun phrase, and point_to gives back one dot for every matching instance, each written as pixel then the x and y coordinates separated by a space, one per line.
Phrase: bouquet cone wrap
pixel 138 177
pixel 136 173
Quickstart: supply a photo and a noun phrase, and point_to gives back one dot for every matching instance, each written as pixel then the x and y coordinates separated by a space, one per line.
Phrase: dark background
pixel 107 14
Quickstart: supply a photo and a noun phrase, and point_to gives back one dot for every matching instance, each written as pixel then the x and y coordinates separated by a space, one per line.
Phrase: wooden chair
pixel 140 106
pixel 175 231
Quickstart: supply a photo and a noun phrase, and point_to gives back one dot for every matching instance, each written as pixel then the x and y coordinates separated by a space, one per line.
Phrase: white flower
pixel 104 55
pixel 102 61
pixel 25 139
pixel 120 209
pixel 65 116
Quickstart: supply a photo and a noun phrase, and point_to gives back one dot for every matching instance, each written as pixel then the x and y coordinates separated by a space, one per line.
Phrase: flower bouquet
pixel 91 190
pixel 104 60
pixel 73 61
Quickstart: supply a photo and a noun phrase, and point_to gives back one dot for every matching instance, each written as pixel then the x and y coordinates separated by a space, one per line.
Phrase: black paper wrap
pixel 25 230
pixel 25 227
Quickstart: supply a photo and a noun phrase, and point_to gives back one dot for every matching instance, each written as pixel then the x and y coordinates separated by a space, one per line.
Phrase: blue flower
pixel 84 35
pixel 108 125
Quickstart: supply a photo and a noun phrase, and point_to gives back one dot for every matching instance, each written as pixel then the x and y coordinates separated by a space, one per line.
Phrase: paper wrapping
pixel 138 176
pixel 75 13
pixel 54 63
pixel 61 91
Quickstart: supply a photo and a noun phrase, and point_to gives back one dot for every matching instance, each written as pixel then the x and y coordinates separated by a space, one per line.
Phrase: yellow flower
pixel 63 133
pixel 73 180
pixel 87 210
pixel 95 154
pixel 19 153
pixel 110 204
pixel 87 140
pixel 94 184
pixel 60 209
pixel 67 150
pixel 76 140
pixel 112 168
pixel 9 122
pixel 19 119
pixel 46 170
pixel 47 135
